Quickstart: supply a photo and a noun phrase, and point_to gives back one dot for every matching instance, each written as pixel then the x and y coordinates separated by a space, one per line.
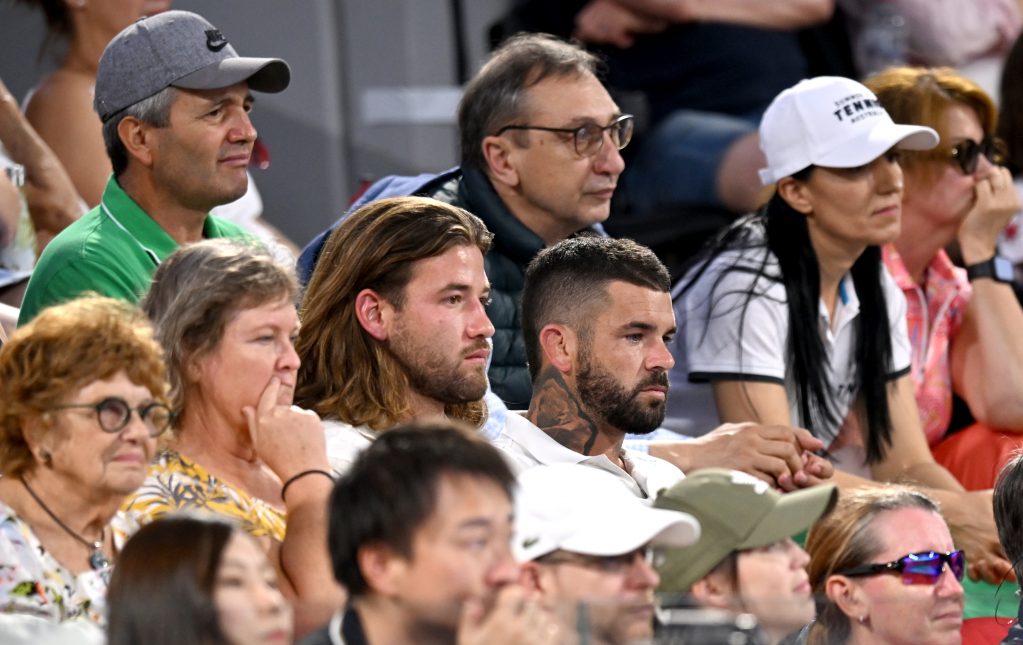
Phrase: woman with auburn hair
pixel 884 571
pixel 82 401
pixel 964 325
pixel 353 380
pixel 224 312
pixel 195 580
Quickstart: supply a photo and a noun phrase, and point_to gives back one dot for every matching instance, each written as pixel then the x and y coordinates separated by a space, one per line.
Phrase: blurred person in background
pixel 186 579
pixel 746 560
pixel 584 545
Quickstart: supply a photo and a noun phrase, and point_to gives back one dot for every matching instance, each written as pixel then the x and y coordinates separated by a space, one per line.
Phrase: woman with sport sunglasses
pixel 884 570
pixel 963 324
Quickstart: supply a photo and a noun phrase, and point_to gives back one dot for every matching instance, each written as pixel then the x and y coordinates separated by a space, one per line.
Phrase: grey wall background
pixel 373 90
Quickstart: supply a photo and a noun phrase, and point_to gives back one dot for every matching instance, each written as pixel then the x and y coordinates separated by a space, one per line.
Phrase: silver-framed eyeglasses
pixel 588 138
pixel 113 414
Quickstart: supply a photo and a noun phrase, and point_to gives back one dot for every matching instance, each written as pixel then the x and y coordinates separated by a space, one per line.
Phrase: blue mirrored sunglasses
pixel 923 568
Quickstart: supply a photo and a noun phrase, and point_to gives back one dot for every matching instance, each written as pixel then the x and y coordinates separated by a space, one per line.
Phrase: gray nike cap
pixel 180 49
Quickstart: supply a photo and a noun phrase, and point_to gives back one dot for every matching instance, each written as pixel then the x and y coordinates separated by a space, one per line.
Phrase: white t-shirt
pixel 344 443
pixel 750 342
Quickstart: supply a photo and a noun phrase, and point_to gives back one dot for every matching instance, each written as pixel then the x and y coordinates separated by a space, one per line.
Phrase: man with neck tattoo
pixel 597 321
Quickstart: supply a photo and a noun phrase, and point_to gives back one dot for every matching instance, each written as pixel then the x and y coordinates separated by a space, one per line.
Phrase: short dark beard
pixel 605 397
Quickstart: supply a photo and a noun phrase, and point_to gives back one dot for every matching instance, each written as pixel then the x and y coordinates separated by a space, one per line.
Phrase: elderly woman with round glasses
pixel 964 325
pixel 884 571
pixel 81 404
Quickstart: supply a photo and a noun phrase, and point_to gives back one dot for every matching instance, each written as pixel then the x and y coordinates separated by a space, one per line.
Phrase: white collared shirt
pixel 526 445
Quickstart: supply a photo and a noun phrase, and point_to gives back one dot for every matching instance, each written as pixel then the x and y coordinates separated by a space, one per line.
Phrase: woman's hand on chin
pixel 286 438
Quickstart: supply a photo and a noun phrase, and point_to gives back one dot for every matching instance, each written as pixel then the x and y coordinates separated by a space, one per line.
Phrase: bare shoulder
pixel 61 96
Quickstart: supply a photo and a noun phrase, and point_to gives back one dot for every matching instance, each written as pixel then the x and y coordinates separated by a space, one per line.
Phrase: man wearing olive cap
pixel 173 96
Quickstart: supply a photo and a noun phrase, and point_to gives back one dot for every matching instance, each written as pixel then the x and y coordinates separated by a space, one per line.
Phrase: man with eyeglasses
pixel 540 141
pixel 174 98
pixel 585 548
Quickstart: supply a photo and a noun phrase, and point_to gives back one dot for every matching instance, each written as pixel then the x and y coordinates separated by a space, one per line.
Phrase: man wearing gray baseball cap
pixel 174 98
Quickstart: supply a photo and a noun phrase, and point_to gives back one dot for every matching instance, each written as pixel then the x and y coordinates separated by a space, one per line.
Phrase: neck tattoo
pixel 97 559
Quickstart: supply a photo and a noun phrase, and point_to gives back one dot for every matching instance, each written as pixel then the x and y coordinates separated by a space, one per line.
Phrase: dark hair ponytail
pixel 788 239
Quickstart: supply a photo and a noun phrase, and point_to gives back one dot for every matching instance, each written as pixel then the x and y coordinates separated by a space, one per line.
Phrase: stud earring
pixel 45 456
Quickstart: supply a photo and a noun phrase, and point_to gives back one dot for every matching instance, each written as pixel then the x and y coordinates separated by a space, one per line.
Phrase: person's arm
pixel 611 22
pixel 908 460
pixel 291 440
pixel 779 455
pixel 986 356
pixel 954 32
pixel 970 515
pixel 52 199
pixel 776 14
pixel 10 209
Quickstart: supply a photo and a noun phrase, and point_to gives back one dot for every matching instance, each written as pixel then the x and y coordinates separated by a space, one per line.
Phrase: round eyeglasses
pixel 924 568
pixel 966 154
pixel 588 138
pixel 114 413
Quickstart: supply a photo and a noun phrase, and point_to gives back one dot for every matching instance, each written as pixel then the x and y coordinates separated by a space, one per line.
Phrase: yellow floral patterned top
pixel 176 484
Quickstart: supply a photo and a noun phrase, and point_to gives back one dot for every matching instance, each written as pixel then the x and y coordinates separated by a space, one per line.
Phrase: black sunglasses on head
pixel 966 153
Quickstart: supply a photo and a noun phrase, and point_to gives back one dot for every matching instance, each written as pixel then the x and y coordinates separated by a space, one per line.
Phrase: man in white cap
pixel 584 541
pixel 174 98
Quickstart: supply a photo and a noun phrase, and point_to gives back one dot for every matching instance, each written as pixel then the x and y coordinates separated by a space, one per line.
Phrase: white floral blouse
pixel 32 582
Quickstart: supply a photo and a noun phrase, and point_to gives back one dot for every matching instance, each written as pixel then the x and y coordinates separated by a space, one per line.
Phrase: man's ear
pixel 137 139
pixel 533 578
pixel 375 313
pixel 712 590
pixel 499 153
pixel 381 568
pixel 559 345
pixel 797 194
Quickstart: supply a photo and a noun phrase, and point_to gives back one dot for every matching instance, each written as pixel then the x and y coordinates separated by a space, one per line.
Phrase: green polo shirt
pixel 112 250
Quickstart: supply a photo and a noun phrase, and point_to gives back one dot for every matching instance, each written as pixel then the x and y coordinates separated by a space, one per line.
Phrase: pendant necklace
pixel 97 559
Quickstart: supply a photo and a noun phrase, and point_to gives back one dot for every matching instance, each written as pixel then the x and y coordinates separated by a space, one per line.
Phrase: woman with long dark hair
pixel 792 318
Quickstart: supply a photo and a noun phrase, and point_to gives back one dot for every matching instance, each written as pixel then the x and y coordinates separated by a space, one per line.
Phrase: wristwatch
pixel 997 268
